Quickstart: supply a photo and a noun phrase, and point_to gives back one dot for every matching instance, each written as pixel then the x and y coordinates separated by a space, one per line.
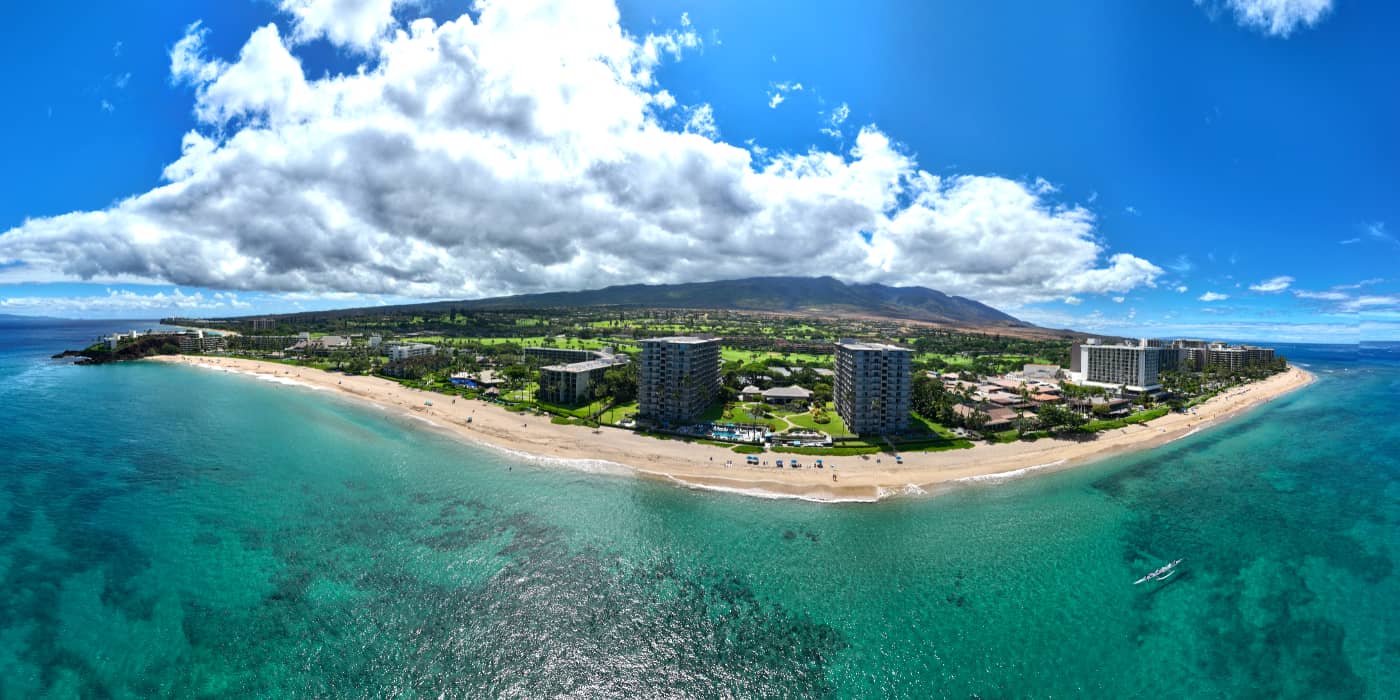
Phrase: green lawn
pixel 521 340
pixel 1143 417
pixel 920 423
pixel 615 414
pixel 743 413
pixel 575 411
pixel 835 427
pixel 730 354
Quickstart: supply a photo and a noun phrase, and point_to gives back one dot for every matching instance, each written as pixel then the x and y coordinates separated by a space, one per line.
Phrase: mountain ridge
pixel 776 295
pixel 771 294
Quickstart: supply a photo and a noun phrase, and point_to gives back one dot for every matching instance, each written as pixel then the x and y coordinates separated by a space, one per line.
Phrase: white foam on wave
pixel 1015 473
pixel 881 493
pixel 273 378
pixel 287 381
pixel 755 492
pixel 589 466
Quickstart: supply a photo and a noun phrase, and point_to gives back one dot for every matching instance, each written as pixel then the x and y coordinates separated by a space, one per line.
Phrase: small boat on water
pixel 1161 574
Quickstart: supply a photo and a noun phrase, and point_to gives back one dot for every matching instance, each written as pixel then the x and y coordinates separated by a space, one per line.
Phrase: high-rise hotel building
pixel 873 387
pixel 1134 366
pixel 678 378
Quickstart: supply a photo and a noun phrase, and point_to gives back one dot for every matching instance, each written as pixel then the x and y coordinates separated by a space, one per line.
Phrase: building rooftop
pixel 858 345
pixel 788 392
pixel 585 366
pixel 680 339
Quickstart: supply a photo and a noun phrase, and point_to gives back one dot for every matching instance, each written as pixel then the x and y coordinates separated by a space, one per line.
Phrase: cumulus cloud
pixel 1213 296
pixel 528 147
pixel 354 24
pixel 1273 17
pixel 1276 284
pixel 1182 289
pixel 1073 301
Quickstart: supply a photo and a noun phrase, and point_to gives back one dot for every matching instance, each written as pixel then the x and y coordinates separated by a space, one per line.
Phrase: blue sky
pixel 1173 168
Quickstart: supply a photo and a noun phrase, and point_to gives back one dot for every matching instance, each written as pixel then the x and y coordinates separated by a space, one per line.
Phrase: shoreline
pixel 708 467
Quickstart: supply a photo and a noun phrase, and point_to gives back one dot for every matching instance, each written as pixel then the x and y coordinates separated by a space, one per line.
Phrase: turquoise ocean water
pixel 168 531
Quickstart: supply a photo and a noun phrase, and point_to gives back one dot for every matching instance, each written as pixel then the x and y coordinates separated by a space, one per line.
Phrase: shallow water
pixel 172 531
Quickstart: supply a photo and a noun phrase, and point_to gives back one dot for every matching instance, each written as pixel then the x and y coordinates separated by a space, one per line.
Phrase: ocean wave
pixel 755 492
pixel 882 493
pixel 1003 476
pixel 273 378
pixel 589 466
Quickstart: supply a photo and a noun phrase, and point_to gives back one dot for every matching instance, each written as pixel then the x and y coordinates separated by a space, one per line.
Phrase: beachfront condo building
pixel 873 387
pixel 1237 357
pixel 1199 354
pixel 573 383
pixel 569 355
pixel 678 378
pixel 560 355
pixel 1133 366
pixel 198 341
pixel 405 351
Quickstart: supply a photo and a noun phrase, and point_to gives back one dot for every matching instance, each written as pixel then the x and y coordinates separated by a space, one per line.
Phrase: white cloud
pixel 528 148
pixel 1119 300
pixel 1181 289
pixel 1362 283
pixel 838 117
pixel 1073 301
pixel 702 121
pixel 1326 296
pixel 1213 296
pixel 780 92
pixel 1132 210
pixel 1273 17
pixel 1372 302
pixel 107 106
pixel 354 24
pixel 117 49
pixel 1276 284
pixel 125 301
pixel 1350 241
pixel 120 82
pixel 1181 264
pixel 1376 231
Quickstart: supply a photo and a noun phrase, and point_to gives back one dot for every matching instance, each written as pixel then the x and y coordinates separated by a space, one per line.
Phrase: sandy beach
pixel 859 479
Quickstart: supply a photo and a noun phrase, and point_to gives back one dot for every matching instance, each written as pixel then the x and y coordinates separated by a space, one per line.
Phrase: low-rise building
pixel 192 342
pixel 1042 373
pixel 784 395
pixel 405 351
pixel 572 383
